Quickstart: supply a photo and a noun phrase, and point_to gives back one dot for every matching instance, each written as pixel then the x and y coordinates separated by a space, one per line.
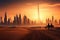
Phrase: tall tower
pixel 38 12
pixel 20 21
pixel 5 18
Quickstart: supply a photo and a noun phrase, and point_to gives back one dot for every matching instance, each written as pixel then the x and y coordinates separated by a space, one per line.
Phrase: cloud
pixel 53 1
pixel 57 7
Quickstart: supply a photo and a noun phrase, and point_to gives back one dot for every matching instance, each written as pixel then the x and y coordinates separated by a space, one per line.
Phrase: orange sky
pixel 30 10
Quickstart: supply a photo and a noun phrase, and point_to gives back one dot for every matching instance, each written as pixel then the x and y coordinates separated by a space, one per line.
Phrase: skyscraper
pixel 14 21
pixel 38 11
pixel 17 19
pixel 24 20
pixel 8 20
pixel 5 18
pixel 28 21
pixel 20 21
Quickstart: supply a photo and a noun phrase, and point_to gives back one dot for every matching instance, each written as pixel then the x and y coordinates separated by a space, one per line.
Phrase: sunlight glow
pixel 30 10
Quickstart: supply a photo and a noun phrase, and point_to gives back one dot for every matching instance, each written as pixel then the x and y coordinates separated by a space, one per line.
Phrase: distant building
pixel 28 21
pixel 24 20
pixel 17 19
pixel 14 21
pixel 1 21
pixel 9 21
pixel 5 18
pixel 20 21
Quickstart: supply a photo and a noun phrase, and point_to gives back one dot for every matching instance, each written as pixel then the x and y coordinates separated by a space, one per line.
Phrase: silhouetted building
pixel 17 19
pixel 20 21
pixel 1 21
pixel 14 21
pixel 24 20
pixel 5 18
pixel 28 21
pixel 9 21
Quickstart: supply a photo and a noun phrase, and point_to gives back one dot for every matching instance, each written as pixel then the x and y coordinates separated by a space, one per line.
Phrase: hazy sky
pixel 47 8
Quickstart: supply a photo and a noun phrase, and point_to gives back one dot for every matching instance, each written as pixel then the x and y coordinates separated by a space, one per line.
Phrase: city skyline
pixel 18 20
pixel 47 8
